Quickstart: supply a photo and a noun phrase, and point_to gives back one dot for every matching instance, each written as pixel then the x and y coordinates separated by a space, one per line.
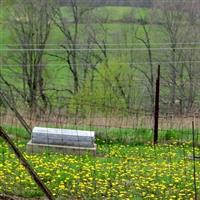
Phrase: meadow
pixel 127 165
pixel 120 170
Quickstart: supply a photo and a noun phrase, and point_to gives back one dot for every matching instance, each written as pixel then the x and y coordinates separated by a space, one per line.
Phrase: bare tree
pixel 171 17
pixel 30 24
pixel 77 42
pixel 148 74
pixel 179 31
pixel 172 26
pixel 190 85
pixel 119 83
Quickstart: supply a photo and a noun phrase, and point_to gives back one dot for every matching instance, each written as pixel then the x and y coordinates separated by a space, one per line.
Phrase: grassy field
pixel 127 166
pixel 121 169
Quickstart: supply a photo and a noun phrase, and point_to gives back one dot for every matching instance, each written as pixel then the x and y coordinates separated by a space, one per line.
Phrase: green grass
pixel 112 13
pixel 17 132
pixel 126 166
pixel 120 136
pixel 121 172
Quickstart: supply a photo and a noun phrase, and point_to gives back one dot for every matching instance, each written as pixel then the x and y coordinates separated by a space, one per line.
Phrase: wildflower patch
pixel 125 172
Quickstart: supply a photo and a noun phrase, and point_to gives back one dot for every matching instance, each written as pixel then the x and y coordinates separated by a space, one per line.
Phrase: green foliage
pixel 106 90
pixel 121 136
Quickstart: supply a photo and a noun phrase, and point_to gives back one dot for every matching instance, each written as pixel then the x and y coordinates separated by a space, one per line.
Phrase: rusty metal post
pixel 14 110
pixel 25 163
pixel 156 109
pixel 194 162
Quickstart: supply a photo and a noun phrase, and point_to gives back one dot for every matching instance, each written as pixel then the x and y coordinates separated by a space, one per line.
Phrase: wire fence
pixel 125 165
pixel 83 128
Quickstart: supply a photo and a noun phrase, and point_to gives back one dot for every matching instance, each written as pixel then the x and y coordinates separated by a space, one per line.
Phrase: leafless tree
pixel 148 74
pixel 120 86
pixel 30 23
pixel 179 21
pixel 77 42
pixel 172 17
pixel 191 84
pixel 172 26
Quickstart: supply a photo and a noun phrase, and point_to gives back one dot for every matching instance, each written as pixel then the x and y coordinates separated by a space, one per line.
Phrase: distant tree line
pixel 94 73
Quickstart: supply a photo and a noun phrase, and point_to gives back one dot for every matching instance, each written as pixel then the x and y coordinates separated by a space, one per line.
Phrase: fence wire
pixel 108 88
pixel 126 164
